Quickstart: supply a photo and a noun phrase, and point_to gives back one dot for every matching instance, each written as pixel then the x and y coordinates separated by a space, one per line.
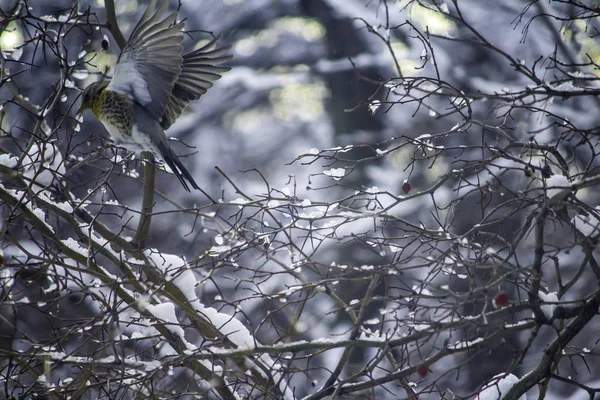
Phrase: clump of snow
pixel 8 160
pixel 311 215
pixel 394 248
pixel 305 203
pixel 7 279
pixel 39 214
pixel 465 344
pixel 43 162
pixel 64 206
pixel 588 225
pixel 73 245
pixel 558 187
pixel 335 173
pixel 216 251
pixel 548 309
pixel 374 106
pixel 165 312
pixel 176 270
pixel 239 201
pixel 498 386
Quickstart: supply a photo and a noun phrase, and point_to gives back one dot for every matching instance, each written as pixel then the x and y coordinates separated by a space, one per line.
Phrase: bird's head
pixel 90 92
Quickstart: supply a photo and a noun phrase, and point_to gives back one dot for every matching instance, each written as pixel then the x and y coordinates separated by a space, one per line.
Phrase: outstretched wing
pixel 198 71
pixel 150 63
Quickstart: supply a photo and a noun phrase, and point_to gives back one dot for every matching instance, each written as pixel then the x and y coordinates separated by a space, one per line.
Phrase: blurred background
pixel 332 107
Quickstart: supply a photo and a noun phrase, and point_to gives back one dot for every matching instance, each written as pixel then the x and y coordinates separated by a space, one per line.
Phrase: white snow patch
pixel 176 270
pixel 498 386
pixel 548 309
pixel 165 312
pixel 588 225
pixel 73 245
pixel 305 203
pixel 335 173
pixel 8 160
pixel 239 201
pixel 42 163
pixel 465 344
pixel 558 187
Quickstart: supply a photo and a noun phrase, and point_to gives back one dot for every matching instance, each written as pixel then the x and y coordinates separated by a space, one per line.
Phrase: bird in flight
pixel 153 82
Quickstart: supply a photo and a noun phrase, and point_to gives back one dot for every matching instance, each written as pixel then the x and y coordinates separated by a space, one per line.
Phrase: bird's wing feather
pixel 198 70
pixel 150 63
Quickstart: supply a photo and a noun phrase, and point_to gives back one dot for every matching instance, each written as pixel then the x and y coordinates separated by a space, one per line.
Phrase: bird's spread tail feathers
pixel 177 167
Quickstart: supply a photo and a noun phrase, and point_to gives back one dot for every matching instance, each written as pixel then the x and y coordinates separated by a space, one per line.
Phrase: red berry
pixel 422 370
pixel 406 187
pixel 500 299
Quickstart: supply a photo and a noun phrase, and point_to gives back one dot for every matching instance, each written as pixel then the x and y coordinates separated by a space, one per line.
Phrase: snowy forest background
pixel 400 202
